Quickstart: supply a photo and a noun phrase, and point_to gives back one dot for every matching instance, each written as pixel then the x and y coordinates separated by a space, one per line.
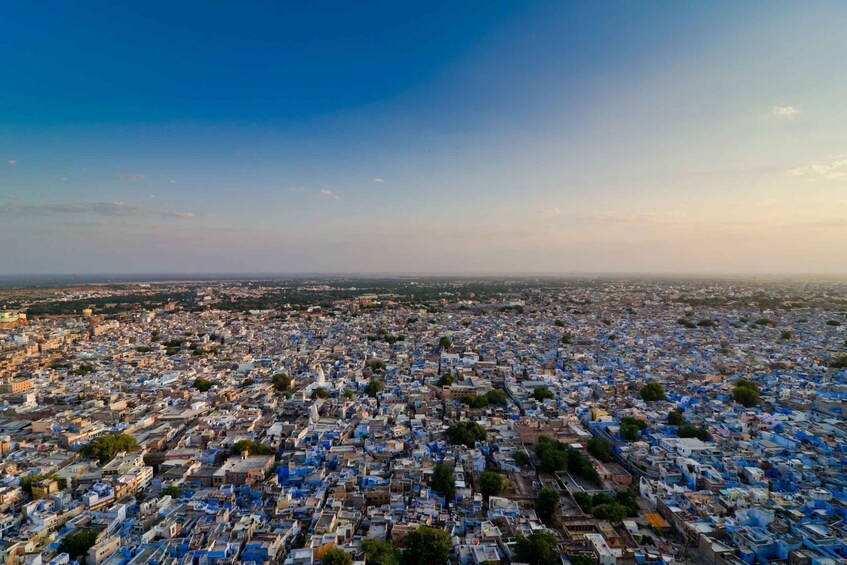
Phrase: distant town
pixel 430 420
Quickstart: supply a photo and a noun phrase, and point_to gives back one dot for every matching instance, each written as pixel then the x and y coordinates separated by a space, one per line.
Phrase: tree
pixel 348 394
pixel 745 393
pixel 466 432
pixel 547 504
pixel 444 482
pixel 320 392
pixel 839 362
pixel 445 380
pixel 600 448
pixel 250 446
pixel 337 556
pixel 541 393
pixel 581 560
pixel 687 430
pixel 202 384
pixel 521 458
pixel 29 480
pixel 630 427
pixel 77 543
pixel 675 418
pixel 537 549
pixel 785 335
pixel 172 491
pixel 281 382
pixel 373 388
pixel 444 343
pixel 652 392
pixel 496 396
pixel 380 552
pixel 611 512
pixel 490 484
pixel 554 460
pixel 427 546
pixel 105 448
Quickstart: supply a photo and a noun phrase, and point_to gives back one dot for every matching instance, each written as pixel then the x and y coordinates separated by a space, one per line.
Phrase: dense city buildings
pixel 466 421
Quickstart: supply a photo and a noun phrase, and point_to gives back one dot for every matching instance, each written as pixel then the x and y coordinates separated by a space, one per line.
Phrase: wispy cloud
pixel 379 180
pixel 834 169
pixel 130 177
pixel 327 194
pixel 784 112
pixel 665 218
pixel 550 213
pixel 103 209
pixel 11 162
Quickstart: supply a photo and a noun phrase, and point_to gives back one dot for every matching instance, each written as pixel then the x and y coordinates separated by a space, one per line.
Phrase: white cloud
pixel 327 194
pixel 172 181
pixel 379 180
pixel 106 209
pixel 836 169
pixel 785 111
pixel 551 213
pixel 12 162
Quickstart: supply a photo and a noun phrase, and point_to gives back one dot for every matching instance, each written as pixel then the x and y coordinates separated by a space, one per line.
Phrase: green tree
pixel 446 380
pixel 444 343
pixel 348 394
pixel 745 393
pixel 77 543
pixel 320 392
pixel 537 549
pixel 490 484
pixel 547 504
pixel 250 446
pixel 600 448
pixel 281 382
pixel 611 512
pixel 785 334
pixel 652 392
pixel 373 388
pixel 839 362
pixel 496 396
pixel 630 427
pixel 104 448
pixel 172 491
pixel 380 552
pixel 202 384
pixel 427 546
pixel 675 418
pixel 29 480
pixel 337 556
pixel 687 430
pixel 541 394
pixel 582 560
pixel 444 482
pixel 466 432
pixel 521 458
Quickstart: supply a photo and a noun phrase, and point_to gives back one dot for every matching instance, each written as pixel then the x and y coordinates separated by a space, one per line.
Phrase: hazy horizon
pixel 563 138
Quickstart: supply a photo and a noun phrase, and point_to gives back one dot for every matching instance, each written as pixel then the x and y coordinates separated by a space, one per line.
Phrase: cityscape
pixel 415 282
pixel 431 420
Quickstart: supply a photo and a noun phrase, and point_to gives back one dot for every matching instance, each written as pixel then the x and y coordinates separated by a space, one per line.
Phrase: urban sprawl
pixel 424 421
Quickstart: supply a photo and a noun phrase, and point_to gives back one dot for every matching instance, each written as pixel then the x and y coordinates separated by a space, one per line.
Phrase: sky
pixel 423 137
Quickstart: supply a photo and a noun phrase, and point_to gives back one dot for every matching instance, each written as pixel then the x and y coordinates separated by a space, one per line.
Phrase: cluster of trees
pixel 675 418
pixel 172 491
pixel 494 396
pixel 839 362
pixel 427 546
pixel 380 552
pixel 375 365
pixel 538 548
pixel 704 323
pixel 337 556
pixel 320 392
pixel 746 393
pixel 105 448
pixel 651 392
pixel 541 394
pixel 601 448
pixel 384 335
pixel 466 432
pixel 82 370
pixel 607 507
pixel 630 427
pixel 29 480
pixel 556 456
pixel 446 380
pixel 253 447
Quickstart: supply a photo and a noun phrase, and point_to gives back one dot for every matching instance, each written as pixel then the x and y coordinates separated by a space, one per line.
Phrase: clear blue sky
pixel 423 137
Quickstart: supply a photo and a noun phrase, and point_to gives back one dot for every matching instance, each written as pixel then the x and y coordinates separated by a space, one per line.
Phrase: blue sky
pixel 424 137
